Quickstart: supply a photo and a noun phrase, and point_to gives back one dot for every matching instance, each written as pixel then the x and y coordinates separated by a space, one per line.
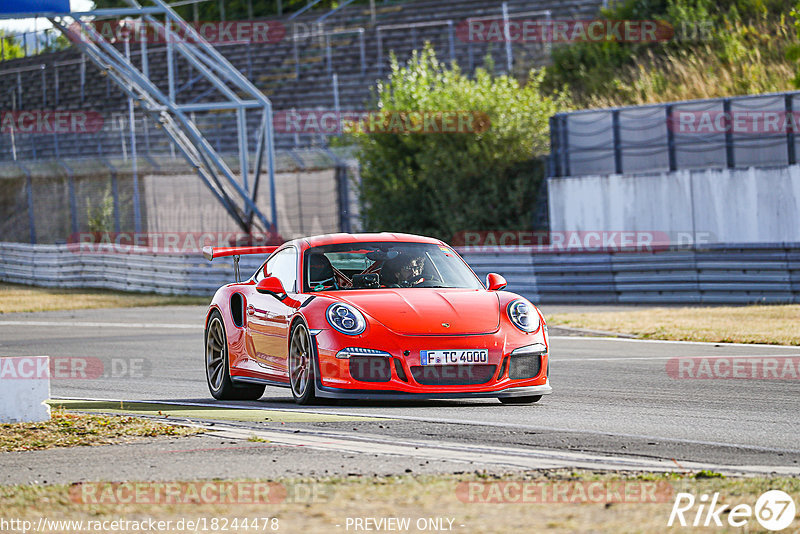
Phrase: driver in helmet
pixel 403 271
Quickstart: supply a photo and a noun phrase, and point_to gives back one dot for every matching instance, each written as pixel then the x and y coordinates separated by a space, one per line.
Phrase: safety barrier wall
pixel 63 266
pixel 694 134
pixel 754 205
pixel 744 273
pixel 735 274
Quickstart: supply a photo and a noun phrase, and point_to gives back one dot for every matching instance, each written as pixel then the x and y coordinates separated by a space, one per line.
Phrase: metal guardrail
pixel 326 35
pixel 731 273
pixel 40 41
pixel 63 266
pixel 336 9
pixel 725 274
pixel 303 10
pixel 37 42
pixel 507 17
pixel 380 30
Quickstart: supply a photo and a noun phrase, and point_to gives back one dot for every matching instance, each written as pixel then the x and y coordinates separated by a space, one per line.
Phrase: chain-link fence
pixel 58 201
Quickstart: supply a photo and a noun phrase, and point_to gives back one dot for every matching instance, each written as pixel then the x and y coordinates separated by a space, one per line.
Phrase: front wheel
pixel 301 366
pixel 218 373
pixel 520 400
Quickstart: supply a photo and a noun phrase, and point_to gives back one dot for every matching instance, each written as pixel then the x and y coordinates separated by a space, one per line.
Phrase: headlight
pixel 523 314
pixel 346 319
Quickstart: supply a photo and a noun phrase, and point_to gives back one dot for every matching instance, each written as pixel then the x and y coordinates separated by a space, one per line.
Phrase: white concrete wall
pixel 755 205
pixel 24 388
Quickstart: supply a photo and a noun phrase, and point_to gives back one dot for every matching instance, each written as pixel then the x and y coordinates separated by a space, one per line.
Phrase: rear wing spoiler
pixel 220 252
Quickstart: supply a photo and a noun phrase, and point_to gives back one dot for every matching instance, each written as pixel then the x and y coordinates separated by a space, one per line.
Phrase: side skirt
pixel 259 381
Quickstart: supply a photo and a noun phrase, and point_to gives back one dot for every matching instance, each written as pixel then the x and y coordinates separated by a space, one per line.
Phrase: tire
pixel 520 400
pixel 302 367
pixel 218 374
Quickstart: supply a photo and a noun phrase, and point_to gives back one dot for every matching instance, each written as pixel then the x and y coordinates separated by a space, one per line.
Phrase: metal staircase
pixel 235 95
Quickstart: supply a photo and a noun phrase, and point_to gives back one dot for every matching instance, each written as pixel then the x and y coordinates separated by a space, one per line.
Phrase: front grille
pixel 524 366
pixel 503 369
pixel 398 368
pixel 452 375
pixel 370 368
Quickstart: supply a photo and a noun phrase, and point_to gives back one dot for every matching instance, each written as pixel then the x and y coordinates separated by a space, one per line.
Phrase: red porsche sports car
pixel 372 316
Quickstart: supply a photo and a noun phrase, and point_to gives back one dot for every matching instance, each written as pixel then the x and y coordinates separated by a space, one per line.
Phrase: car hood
pixel 422 311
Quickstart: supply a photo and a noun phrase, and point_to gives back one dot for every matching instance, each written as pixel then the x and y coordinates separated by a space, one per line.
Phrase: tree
pixel 440 184
pixel 9 47
pixel 793 51
pixel 55 41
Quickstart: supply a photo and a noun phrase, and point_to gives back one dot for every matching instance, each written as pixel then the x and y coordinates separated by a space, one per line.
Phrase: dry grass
pixel 778 324
pixel 693 77
pixel 325 505
pixel 71 429
pixel 19 298
pixel 752 62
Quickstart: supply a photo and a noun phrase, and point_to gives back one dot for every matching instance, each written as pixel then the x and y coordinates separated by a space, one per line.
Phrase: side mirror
pixel 271 286
pixel 495 282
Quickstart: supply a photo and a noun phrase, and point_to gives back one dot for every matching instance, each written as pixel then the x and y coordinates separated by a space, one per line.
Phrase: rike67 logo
pixel 774 510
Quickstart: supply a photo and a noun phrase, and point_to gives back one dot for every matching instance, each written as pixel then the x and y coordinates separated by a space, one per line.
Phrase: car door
pixel 268 317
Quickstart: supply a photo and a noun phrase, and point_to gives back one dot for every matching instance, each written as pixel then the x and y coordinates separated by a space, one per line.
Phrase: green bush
pixel 11 48
pixel 439 184
pixel 56 43
pixel 101 217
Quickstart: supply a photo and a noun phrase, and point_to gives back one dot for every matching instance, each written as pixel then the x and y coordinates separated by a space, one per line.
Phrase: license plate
pixel 453 357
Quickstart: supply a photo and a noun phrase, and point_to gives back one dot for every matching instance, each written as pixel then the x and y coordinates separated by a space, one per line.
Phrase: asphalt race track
pixel 613 398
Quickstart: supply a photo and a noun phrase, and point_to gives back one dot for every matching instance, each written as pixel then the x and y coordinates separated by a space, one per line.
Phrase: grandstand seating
pixel 305 83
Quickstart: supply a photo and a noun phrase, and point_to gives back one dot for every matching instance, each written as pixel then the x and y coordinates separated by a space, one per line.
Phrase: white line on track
pixel 440 450
pixel 529 458
pixel 672 342
pixel 84 324
pixel 177 326
pixel 713 357
pixel 447 421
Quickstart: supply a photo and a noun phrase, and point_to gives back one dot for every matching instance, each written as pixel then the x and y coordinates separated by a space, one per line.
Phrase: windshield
pixel 385 265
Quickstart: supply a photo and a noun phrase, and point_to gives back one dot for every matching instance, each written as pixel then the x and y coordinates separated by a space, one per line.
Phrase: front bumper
pixel 371 394
pixel 403 354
